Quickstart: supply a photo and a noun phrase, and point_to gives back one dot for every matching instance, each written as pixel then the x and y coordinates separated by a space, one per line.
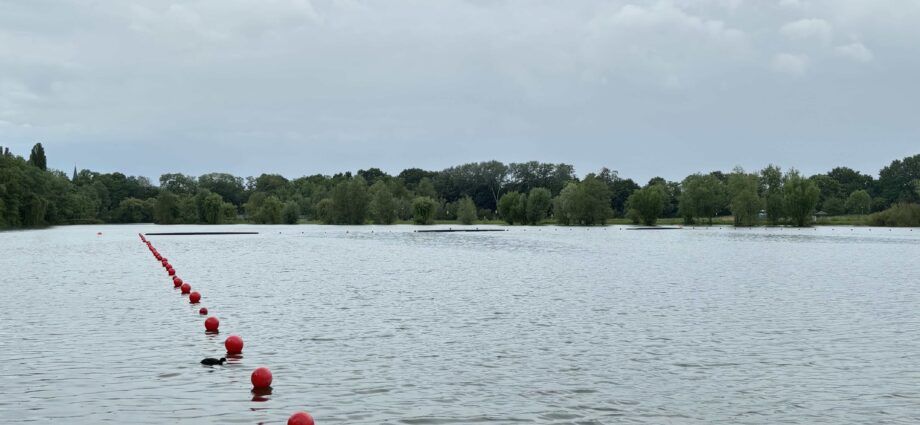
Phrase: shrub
pixel 899 215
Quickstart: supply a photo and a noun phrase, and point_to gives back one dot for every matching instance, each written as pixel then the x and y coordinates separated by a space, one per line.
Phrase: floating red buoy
pixel 177 282
pixel 171 271
pixel 203 311
pixel 186 288
pixel 194 297
pixel 300 418
pixel 211 324
pixel 234 344
pixel 261 378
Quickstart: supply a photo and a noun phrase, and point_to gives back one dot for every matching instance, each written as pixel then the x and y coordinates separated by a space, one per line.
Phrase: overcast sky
pixel 318 86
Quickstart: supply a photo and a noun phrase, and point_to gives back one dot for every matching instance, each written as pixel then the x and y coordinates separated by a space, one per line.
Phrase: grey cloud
pixel 295 86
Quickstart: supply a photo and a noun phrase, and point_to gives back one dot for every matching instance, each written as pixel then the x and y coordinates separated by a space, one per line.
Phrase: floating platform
pixel 655 228
pixel 198 233
pixel 459 230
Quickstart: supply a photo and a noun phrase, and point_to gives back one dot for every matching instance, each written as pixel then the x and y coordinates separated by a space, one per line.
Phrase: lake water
pixel 380 325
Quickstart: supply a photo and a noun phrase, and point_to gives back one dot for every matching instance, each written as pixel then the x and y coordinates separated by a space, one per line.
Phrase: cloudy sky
pixel 318 86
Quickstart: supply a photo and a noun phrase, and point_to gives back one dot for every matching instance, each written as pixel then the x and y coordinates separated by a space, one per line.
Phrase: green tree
pixel 383 205
pixel 229 187
pixel 648 203
pixel 211 209
pixel 325 211
pixel 702 196
pixel 269 211
pixel 586 203
pixel 290 214
pixel 512 207
pixel 188 210
pixel 424 209
pixel 272 184
pixel 896 181
pixel 166 209
pixel 745 207
pixel 350 201
pixel 800 197
pixel 771 179
pixel 178 183
pixel 228 212
pixel 859 202
pixel 745 201
pixel 133 210
pixel 426 188
pixel 466 210
pixel 37 157
pixel 834 206
pixel 539 201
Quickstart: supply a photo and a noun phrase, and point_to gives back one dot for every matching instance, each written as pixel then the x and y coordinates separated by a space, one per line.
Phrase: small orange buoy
pixel 194 297
pixel 203 311
pixel 261 378
pixel 234 344
pixel 300 418
pixel 186 288
pixel 211 324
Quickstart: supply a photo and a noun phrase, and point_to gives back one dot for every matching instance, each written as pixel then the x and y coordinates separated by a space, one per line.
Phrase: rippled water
pixel 380 325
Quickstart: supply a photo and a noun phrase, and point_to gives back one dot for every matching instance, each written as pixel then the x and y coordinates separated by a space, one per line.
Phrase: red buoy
pixel 234 344
pixel 186 288
pixel 177 281
pixel 203 311
pixel 261 378
pixel 171 271
pixel 300 418
pixel 211 324
pixel 194 297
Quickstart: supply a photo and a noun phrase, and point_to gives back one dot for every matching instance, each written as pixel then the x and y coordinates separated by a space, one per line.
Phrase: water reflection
pixel 261 394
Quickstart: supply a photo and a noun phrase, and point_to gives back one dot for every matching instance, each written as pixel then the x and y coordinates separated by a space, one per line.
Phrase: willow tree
pixel 350 201
pixel 647 203
pixel 800 197
pixel 466 210
pixel 424 209
pixel 745 202
pixel 702 196
pixel 383 206
pixel 539 201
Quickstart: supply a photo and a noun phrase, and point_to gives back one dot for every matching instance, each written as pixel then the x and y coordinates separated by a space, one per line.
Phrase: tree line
pixel 517 193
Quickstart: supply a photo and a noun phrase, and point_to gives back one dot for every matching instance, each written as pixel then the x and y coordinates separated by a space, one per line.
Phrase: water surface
pixel 380 325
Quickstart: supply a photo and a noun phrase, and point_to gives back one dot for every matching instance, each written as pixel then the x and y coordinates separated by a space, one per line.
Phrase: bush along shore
pixel 530 193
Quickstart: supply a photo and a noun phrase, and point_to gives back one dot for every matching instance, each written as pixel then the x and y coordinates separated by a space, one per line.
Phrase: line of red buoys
pixel 261 378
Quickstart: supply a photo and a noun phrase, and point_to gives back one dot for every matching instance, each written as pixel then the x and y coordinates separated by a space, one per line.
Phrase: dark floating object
pixel 654 228
pixel 210 361
pixel 459 230
pixel 199 233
